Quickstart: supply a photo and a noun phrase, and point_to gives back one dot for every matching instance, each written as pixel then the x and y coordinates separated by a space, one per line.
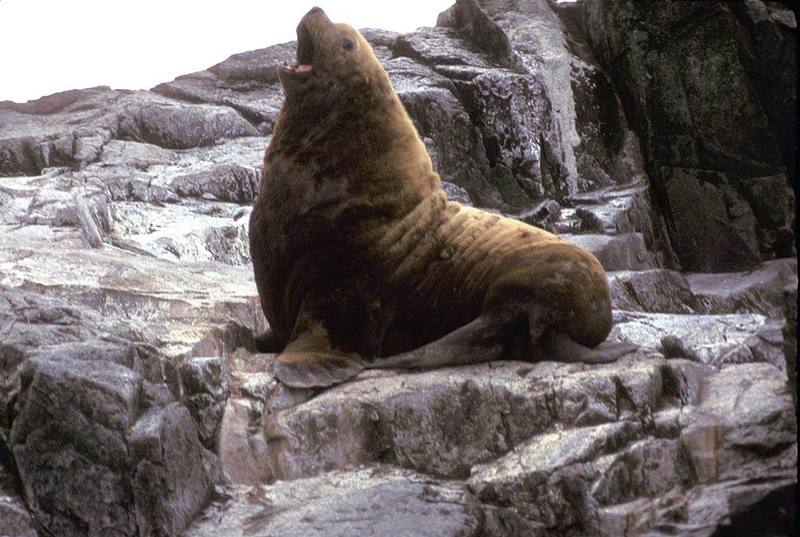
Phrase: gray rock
pixel 15 521
pixel 456 146
pixel 438 46
pixel 515 121
pixel 444 422
pixel 665 65
pixel 205 392
pixel 77 431
pixel 760 290
pixel 547 478
pixel 712 339
pixel 656 290
pixel 533 109
pixel 68 439
pixel 50 131
pixel 790 335
pixel 372 501
pixel 135 154
pixel 728 238
pixel 169 479
pixel 617 252
pixel 179 126
pixel 225 182
pixel 618 209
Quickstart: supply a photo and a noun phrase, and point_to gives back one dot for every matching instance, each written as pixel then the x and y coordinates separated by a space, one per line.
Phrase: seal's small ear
pixel 308 361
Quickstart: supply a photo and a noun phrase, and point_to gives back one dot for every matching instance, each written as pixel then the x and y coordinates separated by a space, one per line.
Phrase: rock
pixel 205 389
pixel 68 440
pixel 544 215
pixel 488 409
pixel 618 209
pixel 513 117
pixel 790 335
pixel 546 479
pixel 138 155
pixel 77 430
pixel 741 412
pixel 438 46
pixel 728 238
pixel 179 126
pixel 712 339
pixel 372 501
pixel 257 99
pixel 617 252
pixel 37 134
pixel 242 448
pixel 666 65
pixel 169 480
pixel 130 368
pixel 15 521
pixel 225 182
pixel 74 132
pixel 655 290
pixel 760 290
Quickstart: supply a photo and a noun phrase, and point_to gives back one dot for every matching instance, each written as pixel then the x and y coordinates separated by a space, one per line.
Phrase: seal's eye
pixel 348 44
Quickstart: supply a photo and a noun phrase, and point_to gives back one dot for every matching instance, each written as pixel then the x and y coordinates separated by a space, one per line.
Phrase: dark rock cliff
pixel 659 135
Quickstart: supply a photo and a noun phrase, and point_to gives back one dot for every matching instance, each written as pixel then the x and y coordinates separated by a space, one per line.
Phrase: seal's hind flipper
pixel 561 348
pixel 310 362
pixel 475 342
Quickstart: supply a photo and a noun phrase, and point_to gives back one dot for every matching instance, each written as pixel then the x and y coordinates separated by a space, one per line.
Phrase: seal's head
pixel 331 58
pixel 343 136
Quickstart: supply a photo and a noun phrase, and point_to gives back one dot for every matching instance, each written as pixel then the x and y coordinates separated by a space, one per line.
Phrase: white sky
pixel 48 46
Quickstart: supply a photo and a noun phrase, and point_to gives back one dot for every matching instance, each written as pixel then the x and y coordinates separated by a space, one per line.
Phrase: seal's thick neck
pixel 363 145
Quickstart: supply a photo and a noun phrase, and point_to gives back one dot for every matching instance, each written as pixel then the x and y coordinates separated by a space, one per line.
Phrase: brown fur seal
pixel 358 254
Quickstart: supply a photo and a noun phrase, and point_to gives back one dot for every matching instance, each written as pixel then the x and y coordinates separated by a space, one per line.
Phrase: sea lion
pixel 362 262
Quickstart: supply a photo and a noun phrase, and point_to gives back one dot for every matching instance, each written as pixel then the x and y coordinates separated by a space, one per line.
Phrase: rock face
pixel 706 87
pixel 660 137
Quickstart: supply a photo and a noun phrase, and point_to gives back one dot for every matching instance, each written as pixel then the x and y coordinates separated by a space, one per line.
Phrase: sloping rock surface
pixel 132 401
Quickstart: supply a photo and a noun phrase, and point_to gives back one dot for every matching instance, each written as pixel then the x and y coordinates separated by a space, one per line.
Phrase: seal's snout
pixel 293 76
pixel 310 25
pixel 314 13
pixel 305 45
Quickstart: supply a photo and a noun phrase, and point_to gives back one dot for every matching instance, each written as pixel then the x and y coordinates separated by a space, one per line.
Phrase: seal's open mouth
pixel 304 67
pixel 305 47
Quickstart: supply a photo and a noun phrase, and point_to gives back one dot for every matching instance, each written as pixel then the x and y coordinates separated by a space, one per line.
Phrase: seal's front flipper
pixel 309 361
pixel 561 348
pixel 268 341
pixel 477 341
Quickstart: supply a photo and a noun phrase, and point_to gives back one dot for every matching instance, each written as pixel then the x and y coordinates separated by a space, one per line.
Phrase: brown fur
pixel 357 251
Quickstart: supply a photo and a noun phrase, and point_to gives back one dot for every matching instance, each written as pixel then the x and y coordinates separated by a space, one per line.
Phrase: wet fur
pixel 358 253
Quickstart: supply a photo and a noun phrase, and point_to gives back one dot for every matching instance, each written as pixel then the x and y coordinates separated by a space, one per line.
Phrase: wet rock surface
pixel 689 77
pixel 132 401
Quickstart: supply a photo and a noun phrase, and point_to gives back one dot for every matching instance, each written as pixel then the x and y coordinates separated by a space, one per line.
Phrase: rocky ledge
pixel 133 403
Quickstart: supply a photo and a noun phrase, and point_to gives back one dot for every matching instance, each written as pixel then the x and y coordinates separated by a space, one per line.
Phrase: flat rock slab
pixel 617 252
pixel 581 480
pixel 445 421
pixel 760 290
pixel 372 501
pixel 655 290
pixel 709 339
pixel 145 292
